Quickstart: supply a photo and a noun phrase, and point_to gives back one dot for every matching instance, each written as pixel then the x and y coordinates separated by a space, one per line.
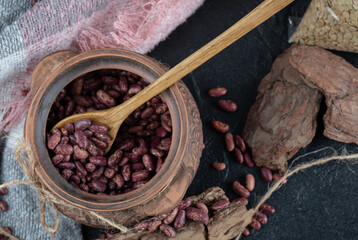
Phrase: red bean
pixel 240 143
pixel 219 165
pixel 70 127
pixel 81 139
pixel 243 200
pixel 98 128
pixel 139 151
pixel 171 217
pixel 268 209
pixel 168 230
pixel 184 203
pixel 147 112
pixel 98 186
pixel 94 150
pixel 196 214
pixel 97 173
pixel 99 161
pixel 109 172
pixel 220 205
pixel 154 224
pixel 142 225
pixel 134 89
pixel 229 141
pixel 219 126
pixel 140 175
pixel 82 124
pixel 247 159
pixel 76 179
pixel 66 165
pixel 179 221
pixel 126 172
pixel 57 159
pixel 217 92
pixel 161 108
pixel 115 158
pixel 240 190
pixel 276 177
pixel 76 86
pixel 266 174
pixel 53 141
pixel 99 143
pixel 3 191
pixel 238 156
pixel 161 132
pixel 147 162
pixel 250 182
pixel 246 232
pixel 118 179
pixel 137 166
pixel 3 206
pixel 123 85
pixel 102 136
pixel 256 225
pixel 262 218
pixel 80 153
pixel 227 105
pixel 90 167
pixel 202 207
pixel 69 108
pixel 67 173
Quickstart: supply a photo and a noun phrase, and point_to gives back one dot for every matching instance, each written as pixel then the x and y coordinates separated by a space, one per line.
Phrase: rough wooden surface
pixel 338 81
pixel 283 118
pixel 223 224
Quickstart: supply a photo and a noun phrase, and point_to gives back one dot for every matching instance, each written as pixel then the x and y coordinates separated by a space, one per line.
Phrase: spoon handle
pixel 257 16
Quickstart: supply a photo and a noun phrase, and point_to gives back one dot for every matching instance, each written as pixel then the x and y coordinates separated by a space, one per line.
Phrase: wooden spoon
pixel 114 117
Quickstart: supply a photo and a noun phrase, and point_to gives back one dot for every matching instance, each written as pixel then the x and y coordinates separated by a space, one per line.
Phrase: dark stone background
pixel 319 203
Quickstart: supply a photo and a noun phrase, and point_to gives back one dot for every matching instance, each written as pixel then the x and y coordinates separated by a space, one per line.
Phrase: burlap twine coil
pixel 25 158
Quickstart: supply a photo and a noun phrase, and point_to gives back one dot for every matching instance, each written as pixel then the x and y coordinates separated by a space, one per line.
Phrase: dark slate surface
pixel 319 203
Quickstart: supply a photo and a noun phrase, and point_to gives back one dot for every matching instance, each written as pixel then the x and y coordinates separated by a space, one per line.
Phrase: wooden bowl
pixel 163 192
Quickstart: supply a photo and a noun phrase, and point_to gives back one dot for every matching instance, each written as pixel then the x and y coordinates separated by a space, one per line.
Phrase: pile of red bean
pixel 177 218
pixel 4 207
pixel 141 146
pixel 235 144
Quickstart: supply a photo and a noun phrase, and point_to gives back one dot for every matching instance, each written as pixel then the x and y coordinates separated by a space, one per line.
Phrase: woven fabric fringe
pixel 79 25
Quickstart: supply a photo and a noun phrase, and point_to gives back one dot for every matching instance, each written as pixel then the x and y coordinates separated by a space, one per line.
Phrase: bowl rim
pixel 36 134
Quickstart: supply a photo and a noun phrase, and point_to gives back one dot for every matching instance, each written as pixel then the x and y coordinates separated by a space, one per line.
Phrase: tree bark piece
pixel 338 81
pixel 223 224
pixel 283 118
pixel 226 224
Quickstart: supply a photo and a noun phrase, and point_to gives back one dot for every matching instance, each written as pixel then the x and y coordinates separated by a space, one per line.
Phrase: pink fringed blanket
pixel 80 25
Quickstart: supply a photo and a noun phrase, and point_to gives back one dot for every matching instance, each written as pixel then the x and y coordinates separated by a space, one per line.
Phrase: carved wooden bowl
pixel 165 189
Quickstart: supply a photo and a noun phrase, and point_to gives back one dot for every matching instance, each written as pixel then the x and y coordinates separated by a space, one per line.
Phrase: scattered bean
pixel 229 141
pixel 250 182
pixel 217 92
pixel 266 174
pixel 219 126
pixel 247 160
pixel 219 165
pixel 220 205
pixel 196 214
pixel 268 209
pixel 227 105
pixel 240 190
